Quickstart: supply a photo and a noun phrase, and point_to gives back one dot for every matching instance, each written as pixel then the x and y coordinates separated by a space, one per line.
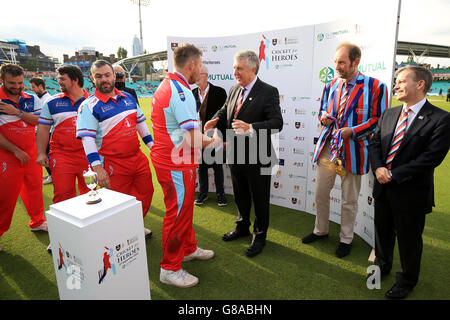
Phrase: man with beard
pixel 19 174
pixel 67 158
pixel 107 124
pixel 178 139
pixel 349 110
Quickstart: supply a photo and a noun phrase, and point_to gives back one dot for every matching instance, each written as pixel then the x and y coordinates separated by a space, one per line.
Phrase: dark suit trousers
pixel 394 218
pixel 203 178
pixel 250 186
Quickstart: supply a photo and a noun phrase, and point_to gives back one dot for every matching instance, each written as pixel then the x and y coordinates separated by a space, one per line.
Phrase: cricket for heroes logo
pixel 118 257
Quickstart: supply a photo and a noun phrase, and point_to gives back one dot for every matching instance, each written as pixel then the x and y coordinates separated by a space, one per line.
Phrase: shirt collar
pixel 416 108
pixel 104 98
pixel 249 87
pixel 353 81
pixel 85 95
pixel 3 94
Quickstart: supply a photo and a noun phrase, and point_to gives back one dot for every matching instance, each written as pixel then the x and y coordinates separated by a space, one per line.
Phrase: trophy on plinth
pixel 90 178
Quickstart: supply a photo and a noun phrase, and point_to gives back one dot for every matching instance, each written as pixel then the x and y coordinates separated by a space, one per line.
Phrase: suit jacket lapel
pixel 419 121
pixel 234 96
pixel 251 95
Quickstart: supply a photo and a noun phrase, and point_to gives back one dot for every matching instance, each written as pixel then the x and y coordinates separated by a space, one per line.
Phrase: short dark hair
pixel 353 50
pixel 13 69
pixel 38 82
pixel 73 72
pixel 101 63
pixel 184 53
pixel 420 73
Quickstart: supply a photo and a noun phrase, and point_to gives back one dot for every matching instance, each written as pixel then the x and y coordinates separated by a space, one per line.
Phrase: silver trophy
pixel 90 178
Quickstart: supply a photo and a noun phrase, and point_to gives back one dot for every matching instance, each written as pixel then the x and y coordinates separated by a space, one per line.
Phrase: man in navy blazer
pixel 403 159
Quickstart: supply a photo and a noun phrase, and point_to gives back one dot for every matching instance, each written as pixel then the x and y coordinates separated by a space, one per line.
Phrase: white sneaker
pixel 42 227
pixel 180 278
pixel 148 233
pixel 48 180
pixel 199 254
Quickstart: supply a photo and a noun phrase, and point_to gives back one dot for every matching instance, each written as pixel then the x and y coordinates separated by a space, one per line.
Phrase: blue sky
pixel 61 26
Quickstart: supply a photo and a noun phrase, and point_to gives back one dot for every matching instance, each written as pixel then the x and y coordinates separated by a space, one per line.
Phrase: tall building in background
pixel 137 48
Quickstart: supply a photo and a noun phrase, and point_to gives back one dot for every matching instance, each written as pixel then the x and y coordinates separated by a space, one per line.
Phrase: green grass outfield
pixel 286 269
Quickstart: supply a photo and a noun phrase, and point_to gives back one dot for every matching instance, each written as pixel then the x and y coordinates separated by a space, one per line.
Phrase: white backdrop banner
pixel 299 62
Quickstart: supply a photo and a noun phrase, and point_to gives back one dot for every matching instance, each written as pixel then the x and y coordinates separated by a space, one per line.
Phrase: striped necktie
pixel 398 137
pixel 240 102
pixel 343 100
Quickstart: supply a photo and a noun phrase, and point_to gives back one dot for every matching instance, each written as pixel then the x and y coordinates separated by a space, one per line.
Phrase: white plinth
pixel 87 235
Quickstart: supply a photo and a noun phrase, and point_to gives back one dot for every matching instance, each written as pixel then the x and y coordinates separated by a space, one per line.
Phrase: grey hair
pixel 204 69
pixel 250 56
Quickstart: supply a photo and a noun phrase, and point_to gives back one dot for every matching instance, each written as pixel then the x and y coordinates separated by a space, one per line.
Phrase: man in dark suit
pixel 210 99
pixel 250 114
pixel 409 142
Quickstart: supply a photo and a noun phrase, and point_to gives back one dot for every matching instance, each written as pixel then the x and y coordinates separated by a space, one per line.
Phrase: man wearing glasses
pixel 120 82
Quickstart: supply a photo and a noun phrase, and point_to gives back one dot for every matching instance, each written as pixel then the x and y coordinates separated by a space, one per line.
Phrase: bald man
pixel 120 81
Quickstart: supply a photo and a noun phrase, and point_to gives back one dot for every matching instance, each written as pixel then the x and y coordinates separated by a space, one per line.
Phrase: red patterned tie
pixel 240 102
pixel 398 137
pixel 343 100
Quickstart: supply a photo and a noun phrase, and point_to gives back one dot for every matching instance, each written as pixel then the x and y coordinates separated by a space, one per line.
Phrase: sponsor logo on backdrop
pixel 326 75
pixel 219 48
pixel 372 67
pixel 331 35
pixel 220 76
pixel 210 62
pixel 173 45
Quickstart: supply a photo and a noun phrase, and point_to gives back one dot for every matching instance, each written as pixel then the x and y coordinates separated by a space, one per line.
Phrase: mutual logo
pixel 320 36
pixel 326 75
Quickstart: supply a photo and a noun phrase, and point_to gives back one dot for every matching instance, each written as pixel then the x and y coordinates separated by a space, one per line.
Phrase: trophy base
pixel 94 201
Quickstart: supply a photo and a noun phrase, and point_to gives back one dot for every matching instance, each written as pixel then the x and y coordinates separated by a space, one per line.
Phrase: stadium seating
pixel 444 85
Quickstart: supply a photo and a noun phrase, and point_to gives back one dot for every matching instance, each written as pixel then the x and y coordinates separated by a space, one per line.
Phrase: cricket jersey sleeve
pixel 45 117
pixel 37 105
pixel 184 110
pixel 87 123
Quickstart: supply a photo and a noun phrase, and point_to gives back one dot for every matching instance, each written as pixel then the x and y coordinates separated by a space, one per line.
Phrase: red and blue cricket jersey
pixel 16 178
pixel 61 112
pixel 112 122
pixel 17 131
pixel 173 113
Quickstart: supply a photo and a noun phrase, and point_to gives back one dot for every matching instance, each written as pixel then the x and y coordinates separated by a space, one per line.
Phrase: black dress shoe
pixel 313 237
pixel 235 234
pixel 343 249
pixel 202 197
pixel 398 292
pixel 255 248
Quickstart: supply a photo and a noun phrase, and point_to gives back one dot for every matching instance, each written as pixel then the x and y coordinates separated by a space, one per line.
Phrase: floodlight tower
pixel 141 3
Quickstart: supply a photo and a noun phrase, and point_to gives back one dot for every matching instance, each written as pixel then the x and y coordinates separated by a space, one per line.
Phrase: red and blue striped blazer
pixel 367 101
